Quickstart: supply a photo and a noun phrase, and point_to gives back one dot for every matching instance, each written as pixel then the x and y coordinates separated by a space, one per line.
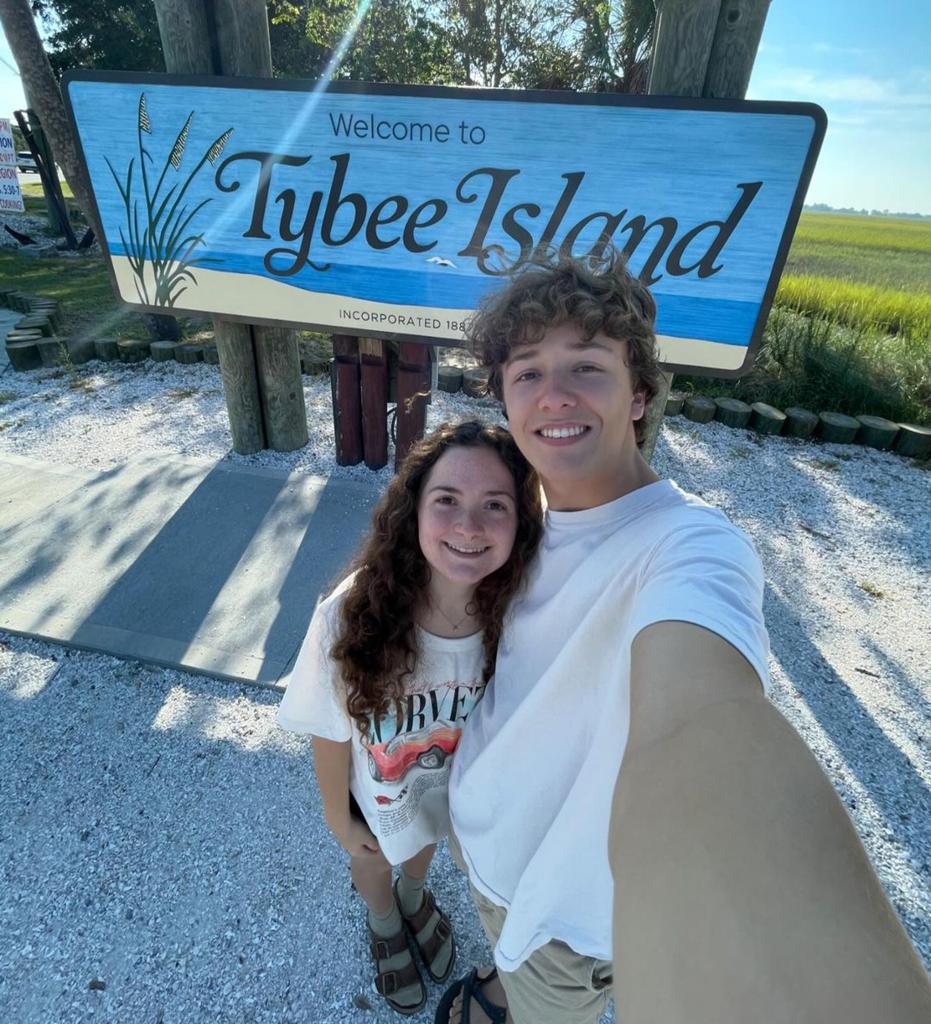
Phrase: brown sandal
pixel 442 931
pixel 387 983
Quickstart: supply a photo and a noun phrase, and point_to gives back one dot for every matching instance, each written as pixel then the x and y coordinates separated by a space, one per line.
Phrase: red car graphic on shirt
pixel 428 748
pixel 387 801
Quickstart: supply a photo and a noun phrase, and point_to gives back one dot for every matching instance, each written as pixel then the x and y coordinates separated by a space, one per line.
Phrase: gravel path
pixel 159 836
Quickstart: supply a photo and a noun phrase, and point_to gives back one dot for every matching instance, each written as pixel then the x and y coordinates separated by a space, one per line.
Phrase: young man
pixel 742 893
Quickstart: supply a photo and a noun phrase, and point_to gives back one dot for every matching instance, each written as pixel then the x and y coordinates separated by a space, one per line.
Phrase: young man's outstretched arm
pixel 742 892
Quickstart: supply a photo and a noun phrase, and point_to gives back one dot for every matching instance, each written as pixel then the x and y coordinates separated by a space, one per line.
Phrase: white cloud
pixel 839 51
pixel 821 88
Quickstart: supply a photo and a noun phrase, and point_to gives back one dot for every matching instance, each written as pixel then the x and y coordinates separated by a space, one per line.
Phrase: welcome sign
pixel 392 210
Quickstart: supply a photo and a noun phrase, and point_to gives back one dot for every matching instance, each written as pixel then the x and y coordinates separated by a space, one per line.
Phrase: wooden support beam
pixel 240 45
pixel 182 26
pixel 701 48
pixel 347 407
pixel 682 42
pixel 278 366
pixel 374 385
pixel 240 385
pixel 230 37
pixel 413 390
pixel 736 40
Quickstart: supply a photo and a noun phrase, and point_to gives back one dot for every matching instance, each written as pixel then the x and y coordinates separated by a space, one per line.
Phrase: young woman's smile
pixel 466 518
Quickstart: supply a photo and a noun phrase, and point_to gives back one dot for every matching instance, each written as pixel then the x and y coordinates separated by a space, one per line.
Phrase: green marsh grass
pixel 870 271
pixel 822 366
pixel 891 233
pixel 859 305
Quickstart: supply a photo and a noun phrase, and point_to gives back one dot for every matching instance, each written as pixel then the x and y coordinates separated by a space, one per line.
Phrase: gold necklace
pixel 453 625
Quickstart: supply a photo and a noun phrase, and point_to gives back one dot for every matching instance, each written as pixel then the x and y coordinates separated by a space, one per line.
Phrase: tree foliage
pixel 586 45
pixel 115 34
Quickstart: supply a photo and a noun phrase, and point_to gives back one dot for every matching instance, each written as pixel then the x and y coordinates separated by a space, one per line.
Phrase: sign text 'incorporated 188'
pixel 392 210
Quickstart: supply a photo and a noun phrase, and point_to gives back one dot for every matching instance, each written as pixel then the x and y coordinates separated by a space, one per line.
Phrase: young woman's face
pixel 467 515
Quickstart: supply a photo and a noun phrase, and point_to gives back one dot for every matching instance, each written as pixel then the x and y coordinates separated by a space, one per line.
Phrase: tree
pixel 44 97
pixel 395 41
pixel 118 34
pixel 587 45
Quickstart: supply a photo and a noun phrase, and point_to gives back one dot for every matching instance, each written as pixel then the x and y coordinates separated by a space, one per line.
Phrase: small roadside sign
pixel 11 198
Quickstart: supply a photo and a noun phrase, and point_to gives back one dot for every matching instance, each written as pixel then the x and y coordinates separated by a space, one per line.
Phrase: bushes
pixel 819 364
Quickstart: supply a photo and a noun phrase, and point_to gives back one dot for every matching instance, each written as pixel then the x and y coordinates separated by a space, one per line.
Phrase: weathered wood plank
pixel 231 37
pixel 347 406
pixel 413 390
pixel 701 48
pixel 736 40
pixel 182 25
pixel 240 385
pixel 278 365
pixel 374 385
pixel 684 35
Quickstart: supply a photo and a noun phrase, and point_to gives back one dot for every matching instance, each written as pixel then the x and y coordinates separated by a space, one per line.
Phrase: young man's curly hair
pixel 597 294
pixel 376 645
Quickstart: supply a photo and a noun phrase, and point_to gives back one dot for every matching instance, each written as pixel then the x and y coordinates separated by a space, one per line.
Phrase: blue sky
pixel 866 64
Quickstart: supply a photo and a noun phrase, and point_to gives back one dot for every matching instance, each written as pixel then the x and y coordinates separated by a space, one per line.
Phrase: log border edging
pixel 909 440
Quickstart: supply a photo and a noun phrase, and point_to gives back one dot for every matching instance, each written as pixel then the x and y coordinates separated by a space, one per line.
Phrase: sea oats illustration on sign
pixel 161 243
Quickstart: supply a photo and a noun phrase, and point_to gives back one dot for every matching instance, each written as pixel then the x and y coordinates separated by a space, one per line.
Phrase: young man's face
pixel 571 408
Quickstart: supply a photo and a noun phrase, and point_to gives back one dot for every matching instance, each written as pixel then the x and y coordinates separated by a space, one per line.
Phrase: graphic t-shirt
pixel 400 776
pixel 530 794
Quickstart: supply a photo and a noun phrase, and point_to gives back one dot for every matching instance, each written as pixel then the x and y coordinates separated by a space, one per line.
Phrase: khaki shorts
pixel 554 985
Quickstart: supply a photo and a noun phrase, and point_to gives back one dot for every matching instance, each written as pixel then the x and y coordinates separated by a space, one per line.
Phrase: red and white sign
pixel 11 198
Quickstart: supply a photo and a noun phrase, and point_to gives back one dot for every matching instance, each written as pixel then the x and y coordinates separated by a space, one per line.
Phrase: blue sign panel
pixel 392 210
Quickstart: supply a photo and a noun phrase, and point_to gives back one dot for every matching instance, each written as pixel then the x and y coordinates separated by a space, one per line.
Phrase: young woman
pixel 395 660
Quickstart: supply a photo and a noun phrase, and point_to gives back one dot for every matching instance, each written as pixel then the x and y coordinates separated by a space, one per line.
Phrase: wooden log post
pixel 264 394
pixel 736 40
pixel 413 390
pixel 242 46
pixel 700 48
pixel 281 389
pixel 347 400
pixel 240 385
pixel 373 380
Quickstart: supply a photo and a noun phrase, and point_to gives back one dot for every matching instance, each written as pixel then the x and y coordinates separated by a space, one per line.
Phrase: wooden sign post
pixel 260 366
pixel 700 48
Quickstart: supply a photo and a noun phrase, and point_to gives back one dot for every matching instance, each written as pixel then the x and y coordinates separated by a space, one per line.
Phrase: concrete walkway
pixel 197 565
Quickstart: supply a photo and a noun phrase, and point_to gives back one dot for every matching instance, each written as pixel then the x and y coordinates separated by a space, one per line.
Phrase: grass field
pixel 861 271
pixel 851 328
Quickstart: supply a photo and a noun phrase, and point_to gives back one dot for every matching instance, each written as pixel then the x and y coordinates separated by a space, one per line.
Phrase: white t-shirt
pixel 400 779
pixel 531 788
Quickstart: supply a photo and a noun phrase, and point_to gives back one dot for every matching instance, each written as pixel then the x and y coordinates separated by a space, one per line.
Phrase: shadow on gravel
pixel 881 487
pixel 897 679
pixel 162 837
pixel 883 770
pixel 215 571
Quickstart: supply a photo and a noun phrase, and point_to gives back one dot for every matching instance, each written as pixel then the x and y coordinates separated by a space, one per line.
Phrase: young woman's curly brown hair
pixel 376 644
pixel 597 293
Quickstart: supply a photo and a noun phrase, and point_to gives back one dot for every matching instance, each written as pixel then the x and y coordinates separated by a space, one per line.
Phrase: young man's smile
pixel 571 408
pixel 562 434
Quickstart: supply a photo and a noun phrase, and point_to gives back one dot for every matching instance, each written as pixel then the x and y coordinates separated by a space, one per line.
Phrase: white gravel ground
pixel 160 836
